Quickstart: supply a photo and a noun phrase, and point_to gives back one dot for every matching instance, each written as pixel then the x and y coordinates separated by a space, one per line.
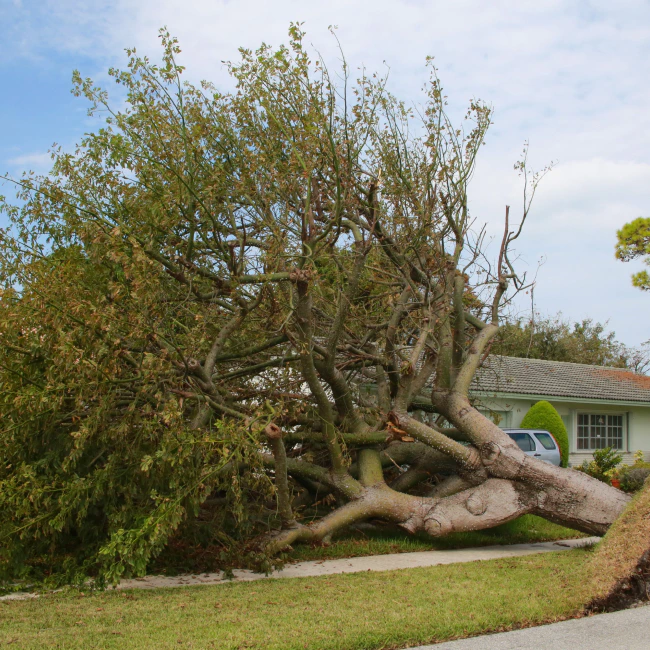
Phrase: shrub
pixel 607 459
pixel 633 479
pixel 544 416
pixel 633 476
pixel 603 465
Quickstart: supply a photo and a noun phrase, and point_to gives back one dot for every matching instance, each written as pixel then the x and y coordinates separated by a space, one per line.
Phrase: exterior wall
pixel 509 412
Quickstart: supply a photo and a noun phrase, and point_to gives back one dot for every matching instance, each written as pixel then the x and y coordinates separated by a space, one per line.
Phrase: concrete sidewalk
pixel 351 565
pixel 625 630
pixel 361 564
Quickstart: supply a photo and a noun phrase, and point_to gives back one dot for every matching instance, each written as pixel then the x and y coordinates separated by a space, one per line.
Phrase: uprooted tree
pixel 243 299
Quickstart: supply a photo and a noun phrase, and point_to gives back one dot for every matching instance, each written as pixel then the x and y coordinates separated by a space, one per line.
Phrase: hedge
pixel 544 416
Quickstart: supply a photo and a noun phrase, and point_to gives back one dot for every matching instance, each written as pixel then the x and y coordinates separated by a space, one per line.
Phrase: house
pixel 600 406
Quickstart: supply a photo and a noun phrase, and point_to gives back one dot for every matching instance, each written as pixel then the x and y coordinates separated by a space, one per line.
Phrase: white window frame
pixel 595 412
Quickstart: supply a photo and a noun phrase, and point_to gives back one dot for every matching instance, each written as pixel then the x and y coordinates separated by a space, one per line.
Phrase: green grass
pixel 528 528
pixel 341 612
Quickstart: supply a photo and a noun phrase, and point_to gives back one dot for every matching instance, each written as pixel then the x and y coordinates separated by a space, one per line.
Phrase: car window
pixel 524 441
pixel 546 440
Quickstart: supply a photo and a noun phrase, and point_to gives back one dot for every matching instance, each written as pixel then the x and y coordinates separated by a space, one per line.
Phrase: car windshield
pixel 523 440
pixel 546 440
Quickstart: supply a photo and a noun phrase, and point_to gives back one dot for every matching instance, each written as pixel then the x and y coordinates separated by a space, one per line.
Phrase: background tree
pixel 556 339
pixel 239 298
pixel 633 241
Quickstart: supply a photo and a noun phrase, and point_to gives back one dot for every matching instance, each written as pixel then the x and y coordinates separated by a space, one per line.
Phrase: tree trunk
pixel 496 483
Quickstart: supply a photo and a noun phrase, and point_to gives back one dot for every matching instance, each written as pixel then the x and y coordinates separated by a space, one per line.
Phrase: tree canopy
pixel 555 338
pixel 633 242
pixel 224 307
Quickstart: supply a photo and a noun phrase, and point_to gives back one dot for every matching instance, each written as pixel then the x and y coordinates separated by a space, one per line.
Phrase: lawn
pixel 528 528
pixel 343 612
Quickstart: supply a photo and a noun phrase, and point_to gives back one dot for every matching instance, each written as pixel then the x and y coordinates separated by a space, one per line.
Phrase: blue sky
pixel 569 76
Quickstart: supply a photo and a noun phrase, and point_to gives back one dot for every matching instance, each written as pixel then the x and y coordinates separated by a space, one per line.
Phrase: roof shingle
pixel 560 379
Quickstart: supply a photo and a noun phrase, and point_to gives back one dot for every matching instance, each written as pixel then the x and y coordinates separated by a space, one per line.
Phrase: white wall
pixel 511 411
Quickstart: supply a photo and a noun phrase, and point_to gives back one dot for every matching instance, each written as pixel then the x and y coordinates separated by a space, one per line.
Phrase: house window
pixel 597 431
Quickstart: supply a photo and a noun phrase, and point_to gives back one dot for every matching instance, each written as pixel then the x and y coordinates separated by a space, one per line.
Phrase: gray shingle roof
pixel 560 379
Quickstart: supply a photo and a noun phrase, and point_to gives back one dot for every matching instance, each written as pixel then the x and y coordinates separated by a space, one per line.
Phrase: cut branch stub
pixel 300 275
pixel 394 431
pixel 490 452
pixel 476 504
pixel 193 365
pixel 273 431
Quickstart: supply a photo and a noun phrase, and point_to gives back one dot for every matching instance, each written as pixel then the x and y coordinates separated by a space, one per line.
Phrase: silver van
pixel 537 443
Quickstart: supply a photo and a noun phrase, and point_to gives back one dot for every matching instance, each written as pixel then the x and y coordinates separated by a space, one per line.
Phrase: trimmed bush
pixel 544 416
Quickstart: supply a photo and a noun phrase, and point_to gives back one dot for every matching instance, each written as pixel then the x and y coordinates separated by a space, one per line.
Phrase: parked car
pixel 537 443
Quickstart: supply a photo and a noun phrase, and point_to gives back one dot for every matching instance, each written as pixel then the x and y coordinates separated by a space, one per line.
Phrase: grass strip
pixel 342 612
pixel 524 530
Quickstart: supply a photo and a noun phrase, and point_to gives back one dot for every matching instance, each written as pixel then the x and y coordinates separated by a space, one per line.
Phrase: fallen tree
pixel 245 297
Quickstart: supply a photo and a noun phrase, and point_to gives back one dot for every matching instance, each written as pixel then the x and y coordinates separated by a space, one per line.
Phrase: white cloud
pixel 570 77
pixel 38 162
pixel 573 224
pixel 594 194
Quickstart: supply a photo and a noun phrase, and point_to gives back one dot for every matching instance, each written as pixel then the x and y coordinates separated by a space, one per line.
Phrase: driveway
pixel 626 630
